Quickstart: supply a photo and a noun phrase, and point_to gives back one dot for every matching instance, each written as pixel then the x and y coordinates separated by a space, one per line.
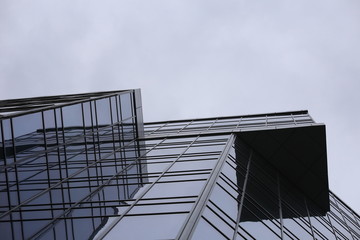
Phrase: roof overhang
pixel 299 153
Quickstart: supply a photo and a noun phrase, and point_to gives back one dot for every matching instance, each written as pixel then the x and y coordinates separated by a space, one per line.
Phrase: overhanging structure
pixel 86 166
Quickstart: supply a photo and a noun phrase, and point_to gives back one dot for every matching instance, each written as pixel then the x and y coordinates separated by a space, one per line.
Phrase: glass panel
pixel 175 189
pixel 27 124
pixel 147 227
pixel 143 208
pixel 321 228
pixel 50 127
pixel 206 231
pixel 265 229
pixel 7 141
pixel 224 201
pixel 126 106
pixel 222 223
pixel 25 132
pixel 190 165
pixel 72 121
pixel 87 115
pixel 103 112
pixel 2 155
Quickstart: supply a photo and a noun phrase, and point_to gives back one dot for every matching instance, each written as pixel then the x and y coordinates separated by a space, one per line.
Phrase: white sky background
pixel 198 58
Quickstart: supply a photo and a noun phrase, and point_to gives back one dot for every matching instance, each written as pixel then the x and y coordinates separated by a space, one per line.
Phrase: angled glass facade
pixel 86 167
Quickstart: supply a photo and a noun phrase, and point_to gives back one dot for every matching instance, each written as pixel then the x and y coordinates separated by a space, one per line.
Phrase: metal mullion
pixel 67 171
pixel 7 179
pixel 242 195
pixel 117 136
pixel 57 148
pixel 279 206
pixel 92 113
pixel 122 141
pixel 193 218
pixel 115 162
pixel 314 228
pixel 47 168
pixel 16 176
pixel 87 158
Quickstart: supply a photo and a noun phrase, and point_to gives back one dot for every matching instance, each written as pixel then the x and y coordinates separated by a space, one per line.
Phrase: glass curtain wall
pixel 84 167
pixel 252 200
pixel 63 169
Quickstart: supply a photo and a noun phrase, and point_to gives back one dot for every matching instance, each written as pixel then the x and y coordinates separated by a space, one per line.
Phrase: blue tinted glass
pixel 206 231
pixel 103 112
pixel 2 155
pixel 149 225
pixel 126 106
pixel 72 121
pixel 87 115
pixel 72 116
pixel 114 108
pixel 28 133
pixel 7 141
pixel 27 124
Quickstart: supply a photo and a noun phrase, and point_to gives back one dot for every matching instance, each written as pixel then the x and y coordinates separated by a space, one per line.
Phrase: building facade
pixel 86 166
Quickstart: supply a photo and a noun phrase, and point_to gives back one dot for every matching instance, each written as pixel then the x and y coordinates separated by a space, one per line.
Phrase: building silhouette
pixel 86 166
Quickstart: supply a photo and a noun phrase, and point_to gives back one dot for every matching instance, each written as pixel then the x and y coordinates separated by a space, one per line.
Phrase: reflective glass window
pixel 205 230
pixel 148 227
pixel 126 106
pixel 175 189
pixel 103 114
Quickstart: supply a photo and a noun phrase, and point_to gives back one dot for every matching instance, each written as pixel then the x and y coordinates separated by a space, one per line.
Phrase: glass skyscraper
pixel 86 166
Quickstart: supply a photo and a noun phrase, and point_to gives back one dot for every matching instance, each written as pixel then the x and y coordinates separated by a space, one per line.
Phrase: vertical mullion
pixel 7 178
pixel 16 176
pixel 194 216
pixel 47 168
pixel 67 183
pixel 113 125
pixel 87 161
pixel 238 218
pixel 309 219
pixel 57 128
pixel 280 208
pixel 122 151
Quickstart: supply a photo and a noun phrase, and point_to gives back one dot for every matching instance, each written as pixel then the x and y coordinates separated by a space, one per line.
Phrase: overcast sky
pixel 198 58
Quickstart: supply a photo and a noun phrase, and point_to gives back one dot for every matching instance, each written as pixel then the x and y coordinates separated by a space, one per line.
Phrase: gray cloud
pixel 197 59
